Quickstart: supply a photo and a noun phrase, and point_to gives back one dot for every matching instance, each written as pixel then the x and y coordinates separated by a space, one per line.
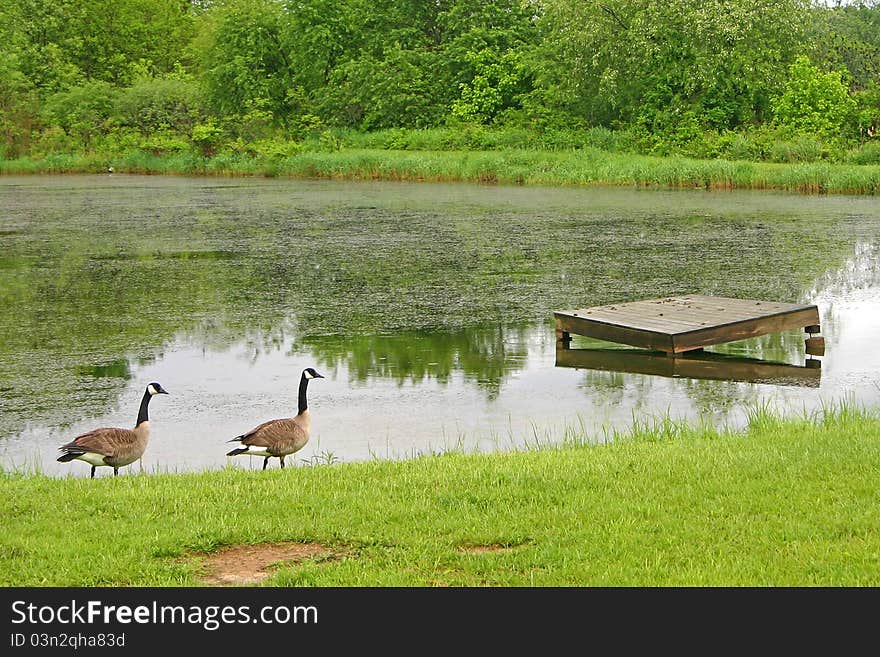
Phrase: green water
pixel 428 306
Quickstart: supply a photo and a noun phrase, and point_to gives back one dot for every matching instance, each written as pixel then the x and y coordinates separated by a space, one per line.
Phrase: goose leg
pixel 265 462
pixel 93 473
pixel 282 462
pixel 115 471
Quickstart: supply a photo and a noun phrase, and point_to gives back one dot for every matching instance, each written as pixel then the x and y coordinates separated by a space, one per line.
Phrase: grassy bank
pixel 785 502
pixel 587 166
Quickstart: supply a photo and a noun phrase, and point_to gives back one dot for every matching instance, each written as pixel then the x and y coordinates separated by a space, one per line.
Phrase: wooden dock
pixel 693 365
pixel 684 323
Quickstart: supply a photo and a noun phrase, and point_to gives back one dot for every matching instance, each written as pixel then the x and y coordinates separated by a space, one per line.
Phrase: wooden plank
pixel 815 346
pixel 635 319
pixel 684 323
pixel 701 365
pixel 602 331
pixel 743 330
pixel 636 314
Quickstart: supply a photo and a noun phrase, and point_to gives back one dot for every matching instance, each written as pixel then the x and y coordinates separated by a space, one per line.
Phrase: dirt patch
pixel 242 565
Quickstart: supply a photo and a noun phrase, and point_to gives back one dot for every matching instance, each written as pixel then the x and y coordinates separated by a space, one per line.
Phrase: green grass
pixel 785 502
pixel 587 166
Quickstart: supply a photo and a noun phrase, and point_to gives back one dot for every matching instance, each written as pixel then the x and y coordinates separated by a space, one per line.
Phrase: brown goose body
pixel 281 437
pixel 113 446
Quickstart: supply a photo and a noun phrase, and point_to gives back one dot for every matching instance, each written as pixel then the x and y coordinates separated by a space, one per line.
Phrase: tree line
pixel 726 77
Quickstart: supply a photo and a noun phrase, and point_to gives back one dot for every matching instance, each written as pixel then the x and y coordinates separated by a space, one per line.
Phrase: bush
pixel 208 136
pixel 159 104
pixel 735 146
pixel 866 154
pixel 802 149
pixel 165 143
pixel 814 103
pixel 272 149
pixel 84 112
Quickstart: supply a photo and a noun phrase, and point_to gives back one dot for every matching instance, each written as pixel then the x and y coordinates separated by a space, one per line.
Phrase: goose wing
pixel 104 441
pixel 272 433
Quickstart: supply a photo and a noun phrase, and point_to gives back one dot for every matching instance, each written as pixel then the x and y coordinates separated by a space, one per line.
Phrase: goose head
pixel 156 389
pixel 311 373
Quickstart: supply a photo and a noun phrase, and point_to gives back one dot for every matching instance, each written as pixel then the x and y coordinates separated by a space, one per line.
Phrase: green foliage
pixel 868 111
pixel 244 61
pixel 17 109
pixel 654 61
pixel 732 145
pixel 658 76
pixel 493 88
pixel 84 111
pixel 158 104
pixel 162 142
pixel 866 154
pixel 396 90
pixel 814 103
pixel 804 148
pixel 267 149
pixel 329 141
pixel 67 42
pixel 208 136
pixel 848 39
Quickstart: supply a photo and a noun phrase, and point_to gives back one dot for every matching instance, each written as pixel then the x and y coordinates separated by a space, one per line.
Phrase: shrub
pixel 273 149
pixel 207 136
pixel 83 112
pixel 737 146
pixel 802 149
pixel 866 154
pixel 158 104
pixel 814 103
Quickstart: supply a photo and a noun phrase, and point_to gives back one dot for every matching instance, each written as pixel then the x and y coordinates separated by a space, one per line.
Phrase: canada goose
pixel 112 446
pixel 280 437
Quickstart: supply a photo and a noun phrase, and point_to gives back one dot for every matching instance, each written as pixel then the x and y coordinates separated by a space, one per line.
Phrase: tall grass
pixel 582 166
pixel 784 502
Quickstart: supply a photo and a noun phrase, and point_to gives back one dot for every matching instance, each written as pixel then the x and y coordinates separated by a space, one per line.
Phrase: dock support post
pixel 563 338
pixel 814 345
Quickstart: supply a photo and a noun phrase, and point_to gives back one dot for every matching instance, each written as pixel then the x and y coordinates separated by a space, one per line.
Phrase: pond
pixel 428 308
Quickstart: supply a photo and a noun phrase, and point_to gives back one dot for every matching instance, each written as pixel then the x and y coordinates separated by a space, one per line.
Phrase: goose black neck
pixel 303 384
pixel 142 414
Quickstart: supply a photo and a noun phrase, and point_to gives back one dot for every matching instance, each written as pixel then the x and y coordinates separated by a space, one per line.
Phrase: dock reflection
pixel 693 365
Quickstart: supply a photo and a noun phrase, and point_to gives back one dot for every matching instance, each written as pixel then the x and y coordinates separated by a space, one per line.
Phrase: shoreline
pixel 583 167
pixel 784 502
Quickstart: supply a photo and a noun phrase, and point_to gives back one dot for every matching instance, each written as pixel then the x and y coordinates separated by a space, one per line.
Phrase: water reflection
pixel 485 356
pixel 699 365
pixel 388 399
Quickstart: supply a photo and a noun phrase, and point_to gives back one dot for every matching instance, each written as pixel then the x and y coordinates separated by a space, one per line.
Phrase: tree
pixel 814 102
pixel 65 42
pixel 83 112
pixel 17 108
pixel 848 38
pixel 246 66
pixel 408 61
pixel 494 87
pixel 611 62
